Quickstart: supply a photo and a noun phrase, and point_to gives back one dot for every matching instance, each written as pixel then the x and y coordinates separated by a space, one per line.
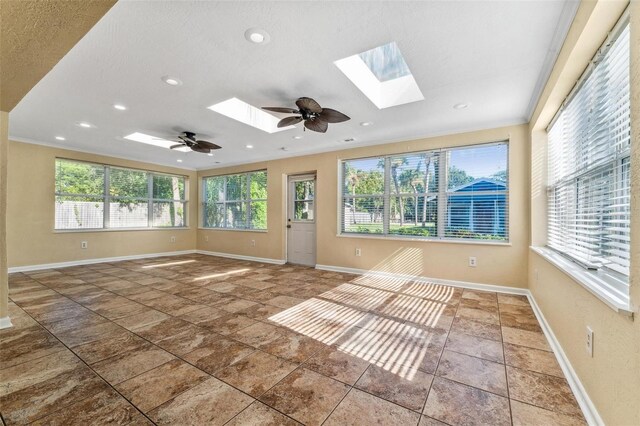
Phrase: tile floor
pixel 204 340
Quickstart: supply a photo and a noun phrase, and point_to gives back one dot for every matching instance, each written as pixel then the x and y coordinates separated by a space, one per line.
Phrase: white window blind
pixel 134 198
pixel 453 193
pixel 588 163
pixel 236 201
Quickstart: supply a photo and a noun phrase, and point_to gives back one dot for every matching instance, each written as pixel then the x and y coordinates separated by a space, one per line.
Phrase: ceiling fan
pixel 188 139
pixel 314 116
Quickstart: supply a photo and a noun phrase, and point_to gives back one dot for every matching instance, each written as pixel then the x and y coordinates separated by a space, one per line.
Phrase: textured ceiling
pixel 35 35
pixel 494 56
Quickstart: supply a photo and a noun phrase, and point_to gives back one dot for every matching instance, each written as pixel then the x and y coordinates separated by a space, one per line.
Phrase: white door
pixel 301 220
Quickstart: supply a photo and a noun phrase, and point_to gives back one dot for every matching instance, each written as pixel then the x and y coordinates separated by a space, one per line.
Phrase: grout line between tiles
pixel 504 356
pixel 89 367
pixel 133 268
pixel 154 344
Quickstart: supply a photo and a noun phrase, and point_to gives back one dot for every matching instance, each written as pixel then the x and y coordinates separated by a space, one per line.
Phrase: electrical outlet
pixel 589 341
pixel 253 243
pixel 473 262
pixel 358 252
pixel 84 244
pixel 206 238
pixel 172 239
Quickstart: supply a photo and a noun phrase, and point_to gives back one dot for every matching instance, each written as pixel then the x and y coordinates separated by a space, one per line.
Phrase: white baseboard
pixel 586 405
pixel 589 410
pixel 97 260
pixel 418 278
pixel 242 257
pixel 5 323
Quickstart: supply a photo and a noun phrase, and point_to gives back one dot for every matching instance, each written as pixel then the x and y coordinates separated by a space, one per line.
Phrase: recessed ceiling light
pixel 171 81
pixel 257 36
pixel 460 106
pixel 349 140
pixel 210 154
pixel 179 160
pixel 366 123
pixel 84 124
pixel 284 148
pixel 120 107
pixel 249 146
pixel 297 137
pixel 60 138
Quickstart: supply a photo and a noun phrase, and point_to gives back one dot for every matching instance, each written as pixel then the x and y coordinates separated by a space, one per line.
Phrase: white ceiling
pixel 493 55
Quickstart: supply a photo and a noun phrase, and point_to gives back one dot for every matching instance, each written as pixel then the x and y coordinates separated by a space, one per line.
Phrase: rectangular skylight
pixel 248 114
pixel 152 140
pixel 382 75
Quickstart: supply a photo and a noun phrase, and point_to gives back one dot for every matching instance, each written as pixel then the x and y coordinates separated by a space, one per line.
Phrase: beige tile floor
pixel 205 340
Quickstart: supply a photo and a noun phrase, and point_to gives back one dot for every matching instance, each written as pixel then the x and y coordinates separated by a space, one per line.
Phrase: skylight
pixel 382 75
pixel 152 140
pixel 248 114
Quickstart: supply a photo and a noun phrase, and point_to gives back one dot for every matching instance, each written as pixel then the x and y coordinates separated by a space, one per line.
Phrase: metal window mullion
pixel 443 162
pixel 224 202
pixel 248 202
pixel 386 203
pixel 203 202
pixel 106 211
pixel 149 200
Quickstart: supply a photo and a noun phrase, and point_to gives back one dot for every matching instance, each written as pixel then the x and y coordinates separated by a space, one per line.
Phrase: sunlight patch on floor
pixel 162 265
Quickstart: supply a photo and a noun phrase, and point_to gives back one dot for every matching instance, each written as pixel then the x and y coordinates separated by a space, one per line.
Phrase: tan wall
pixel 497 264
pixel 4 142
pixel 612 377
pixel 31 239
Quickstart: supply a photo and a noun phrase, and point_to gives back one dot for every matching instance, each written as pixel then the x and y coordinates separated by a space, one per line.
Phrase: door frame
pixel 287 184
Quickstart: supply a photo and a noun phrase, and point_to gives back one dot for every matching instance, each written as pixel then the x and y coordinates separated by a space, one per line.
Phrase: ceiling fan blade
pixel 199 148
pixel 309 104
pixel 180 145
pixel 332 116
pixel 289 121
pixel 316 125
pixel 207 144
pixel 283 110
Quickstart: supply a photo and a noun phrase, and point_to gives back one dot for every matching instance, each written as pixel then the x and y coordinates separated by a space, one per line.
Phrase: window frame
pixel 609 279
pixel 247 200
pixel 106 198
pixel 441 195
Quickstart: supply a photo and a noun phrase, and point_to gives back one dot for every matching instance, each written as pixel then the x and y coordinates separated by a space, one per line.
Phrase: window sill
pixel 78 231
pixel 427 240
pixel 598 283
pixel 262 231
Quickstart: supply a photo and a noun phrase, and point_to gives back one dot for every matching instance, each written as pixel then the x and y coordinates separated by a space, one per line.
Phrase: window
pixel 303 200
pixel 588 166
pixel 235 201
pixel 477 193
pixel 79 195
pixel 457 193
pixel 134 198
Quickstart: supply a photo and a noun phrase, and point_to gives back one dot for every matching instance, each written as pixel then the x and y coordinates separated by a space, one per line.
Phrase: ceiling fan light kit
pixel 315 117
pixel 188 139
